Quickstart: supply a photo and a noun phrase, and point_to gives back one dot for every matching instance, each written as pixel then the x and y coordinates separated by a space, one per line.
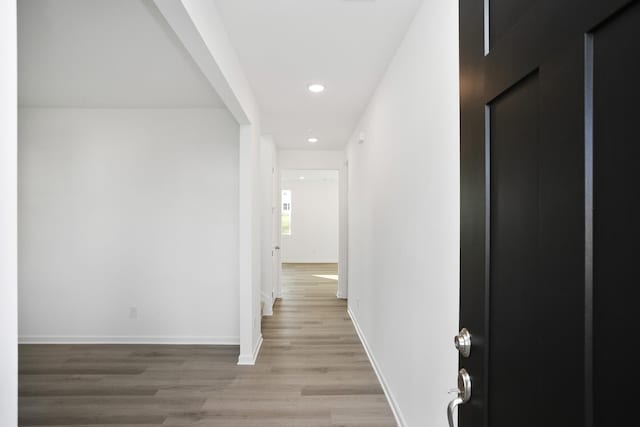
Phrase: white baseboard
pixel 387 392
pixel 160 340
pixel 250 359
pixel 315 261
pixel 340 295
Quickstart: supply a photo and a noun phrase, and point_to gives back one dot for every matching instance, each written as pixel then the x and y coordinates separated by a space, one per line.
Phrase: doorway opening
pixel 309 232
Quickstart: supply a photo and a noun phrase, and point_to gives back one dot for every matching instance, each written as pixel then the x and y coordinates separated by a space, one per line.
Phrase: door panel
pixel 617 209
pixel 514 176
pixel 547 284
pixel 504 15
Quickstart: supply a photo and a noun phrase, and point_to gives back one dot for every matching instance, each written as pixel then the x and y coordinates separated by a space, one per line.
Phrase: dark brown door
pixel 550 214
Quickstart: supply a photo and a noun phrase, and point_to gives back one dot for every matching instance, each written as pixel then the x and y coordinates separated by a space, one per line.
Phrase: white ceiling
pixel 308 175
pixel 104 53
pixel 284 45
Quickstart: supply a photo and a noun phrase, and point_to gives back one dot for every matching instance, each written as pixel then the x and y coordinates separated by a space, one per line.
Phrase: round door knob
pixel 463 394
pixel 463 342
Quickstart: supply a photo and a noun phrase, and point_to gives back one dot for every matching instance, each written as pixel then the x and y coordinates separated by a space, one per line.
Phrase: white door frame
pixel 343 227
pixel 8 215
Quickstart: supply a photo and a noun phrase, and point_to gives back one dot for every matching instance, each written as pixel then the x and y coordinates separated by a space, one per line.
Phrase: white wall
pixel 404 219
pixel 8 217
pixel 311 159
pixel 250 260
pixel 327 159
pixel 270 238
pixel 314 236
pixel 128 208
pixel 199 27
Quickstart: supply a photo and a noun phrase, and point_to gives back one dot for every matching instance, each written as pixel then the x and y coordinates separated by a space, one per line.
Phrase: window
pixel 286 213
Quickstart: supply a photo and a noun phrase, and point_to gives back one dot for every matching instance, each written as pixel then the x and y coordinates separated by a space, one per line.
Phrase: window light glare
pixel 316 88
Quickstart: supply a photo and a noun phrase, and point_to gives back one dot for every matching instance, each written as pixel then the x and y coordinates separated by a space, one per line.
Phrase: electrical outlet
pixel 133 312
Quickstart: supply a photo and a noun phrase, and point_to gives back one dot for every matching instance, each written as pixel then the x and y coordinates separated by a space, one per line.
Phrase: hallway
pixel 312 371
pixel 311 345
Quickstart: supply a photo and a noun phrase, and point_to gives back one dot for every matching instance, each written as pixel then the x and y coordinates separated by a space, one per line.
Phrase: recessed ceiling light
pixel 313 140
pixel 302 177
pixel 316 88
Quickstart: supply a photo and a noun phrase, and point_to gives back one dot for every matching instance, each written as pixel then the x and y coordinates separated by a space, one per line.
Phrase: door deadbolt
pixel 463 342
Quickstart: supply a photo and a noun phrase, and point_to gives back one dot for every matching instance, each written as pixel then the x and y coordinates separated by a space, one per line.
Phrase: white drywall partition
pixel 404 220
pixel 129 225
pixel 199 27
pixel 314 216
pixel 249 241
pixel 8 217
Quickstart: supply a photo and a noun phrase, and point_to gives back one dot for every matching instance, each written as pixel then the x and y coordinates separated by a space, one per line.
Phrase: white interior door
pixel 276 219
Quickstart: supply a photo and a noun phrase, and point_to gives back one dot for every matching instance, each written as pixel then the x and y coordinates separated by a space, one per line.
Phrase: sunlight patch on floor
pixel 327 276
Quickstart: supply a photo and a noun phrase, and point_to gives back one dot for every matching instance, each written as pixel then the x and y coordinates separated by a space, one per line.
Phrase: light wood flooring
pixel 312 371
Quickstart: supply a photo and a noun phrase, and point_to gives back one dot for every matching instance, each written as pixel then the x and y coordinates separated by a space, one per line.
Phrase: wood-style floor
pixel 312 371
